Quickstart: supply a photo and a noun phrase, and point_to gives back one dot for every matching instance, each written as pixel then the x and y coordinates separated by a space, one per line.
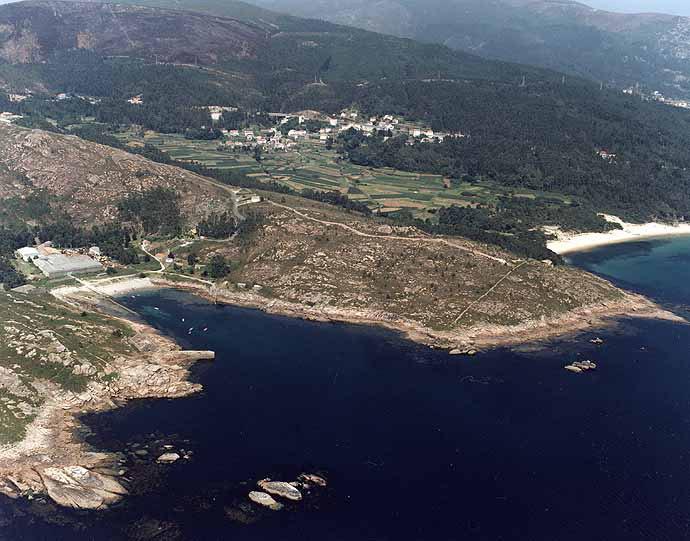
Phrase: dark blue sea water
pixel 416 445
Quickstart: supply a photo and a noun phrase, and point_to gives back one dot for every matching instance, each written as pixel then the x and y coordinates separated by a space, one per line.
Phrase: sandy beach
pixel 108 287
pixel 569 242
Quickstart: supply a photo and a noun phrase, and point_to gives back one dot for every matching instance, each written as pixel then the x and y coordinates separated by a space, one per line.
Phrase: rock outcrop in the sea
pixel 265 500
pixel 463 351
pixel 168 458
pixel 79 488
pixel 578 367
pixel 280 488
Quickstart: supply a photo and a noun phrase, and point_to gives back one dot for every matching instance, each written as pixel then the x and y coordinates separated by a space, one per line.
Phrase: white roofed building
pixel 60 265
pixel 27 254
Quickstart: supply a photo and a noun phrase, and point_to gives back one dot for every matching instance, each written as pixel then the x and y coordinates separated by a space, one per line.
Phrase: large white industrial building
pixel 59 265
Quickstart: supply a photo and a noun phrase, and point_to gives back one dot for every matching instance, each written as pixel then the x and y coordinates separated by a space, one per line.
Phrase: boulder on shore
pixel 280 488
pixel 265 500
pixel 79 488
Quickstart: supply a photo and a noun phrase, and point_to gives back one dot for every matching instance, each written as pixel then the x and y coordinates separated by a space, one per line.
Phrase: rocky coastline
pixel 51 460
pixel 461 340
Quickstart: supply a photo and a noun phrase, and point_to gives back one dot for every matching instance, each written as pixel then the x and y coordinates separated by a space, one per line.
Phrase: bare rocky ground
pixel 89 179
pixel 445 292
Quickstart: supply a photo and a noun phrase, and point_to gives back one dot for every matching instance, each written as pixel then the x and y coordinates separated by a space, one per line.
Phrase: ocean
pixel 415 444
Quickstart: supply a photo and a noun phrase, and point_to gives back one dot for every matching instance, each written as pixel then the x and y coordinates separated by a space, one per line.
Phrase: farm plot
pixel 309 165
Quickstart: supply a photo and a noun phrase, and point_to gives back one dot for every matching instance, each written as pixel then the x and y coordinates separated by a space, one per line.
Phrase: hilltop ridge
pixel 621 49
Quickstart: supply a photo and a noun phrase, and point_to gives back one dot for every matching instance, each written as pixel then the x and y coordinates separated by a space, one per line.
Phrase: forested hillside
pixel 621 49
pixel 523 127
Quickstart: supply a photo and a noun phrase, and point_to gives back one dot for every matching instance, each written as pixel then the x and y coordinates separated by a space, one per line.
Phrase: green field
pixel 310 165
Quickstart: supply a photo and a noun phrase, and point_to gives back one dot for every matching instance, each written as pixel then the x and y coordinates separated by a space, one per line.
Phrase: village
pixel 319 127
pixel 304 126
pixel 656 96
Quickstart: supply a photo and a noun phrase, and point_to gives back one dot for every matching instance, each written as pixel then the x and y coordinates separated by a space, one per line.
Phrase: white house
pixel 27 254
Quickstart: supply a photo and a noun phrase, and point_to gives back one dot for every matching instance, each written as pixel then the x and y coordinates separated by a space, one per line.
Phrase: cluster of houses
pixel 55 263
pixel 216 111
pixel 607 156
pixel 684 104
pixel 332 126
pixel 656 96
pixel 8 118
pixel 271 139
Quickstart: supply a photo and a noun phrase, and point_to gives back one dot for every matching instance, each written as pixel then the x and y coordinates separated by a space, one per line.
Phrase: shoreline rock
pixel 162 371
pixel 79 488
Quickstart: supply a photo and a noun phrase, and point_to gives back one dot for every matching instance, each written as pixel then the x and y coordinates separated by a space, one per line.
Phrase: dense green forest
pixel 513 223
pixel 154 211
pixel 11 239
pixel 550 141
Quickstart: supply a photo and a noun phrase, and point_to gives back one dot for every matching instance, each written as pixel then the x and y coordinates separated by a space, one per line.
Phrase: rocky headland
pixel 52 460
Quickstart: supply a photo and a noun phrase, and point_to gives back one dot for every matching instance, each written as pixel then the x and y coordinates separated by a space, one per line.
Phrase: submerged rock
pixel 266 500
pixel 312 479
pixel 242 513
pixel 79 488
pixel 280 488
